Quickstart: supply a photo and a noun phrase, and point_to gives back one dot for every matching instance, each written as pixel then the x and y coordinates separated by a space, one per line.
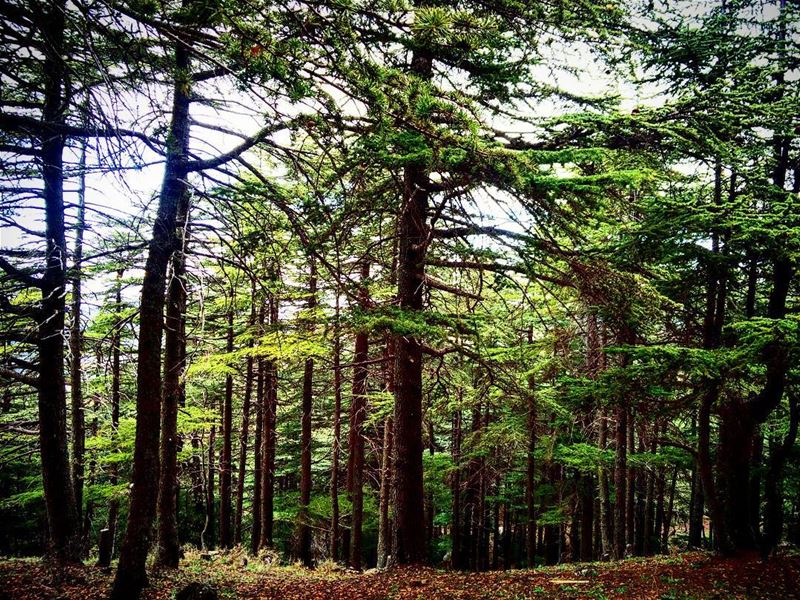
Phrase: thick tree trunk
pixel 225 467
pixel 408 540
pixel 172 397
pixel 304 526
pixel 59 491
pixel 131 575
pixel 358 410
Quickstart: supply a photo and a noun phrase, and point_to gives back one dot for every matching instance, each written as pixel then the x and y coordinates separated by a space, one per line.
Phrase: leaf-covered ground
pixel 684 576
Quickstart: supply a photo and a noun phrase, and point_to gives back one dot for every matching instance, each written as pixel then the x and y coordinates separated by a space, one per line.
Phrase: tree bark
pixel 76 342
pixel 620 482
pixel 358 409
pixel 530 473
pixel 337 436
pixel 245 429
pixel 172 396
pixel 304 526
pixel 408 539
pixel 258 443
pixel 59 491
pixel 225 470
pixel 104 558
pixel 269 436
pixel 131 576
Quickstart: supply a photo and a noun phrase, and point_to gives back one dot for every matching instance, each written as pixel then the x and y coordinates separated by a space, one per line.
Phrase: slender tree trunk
pixel 245 430
pixel 384 518
pixel 131 576
pixel 455 486
pixel 358 409
pixel 304 527
pixel 630 490
pixel 620 482
pixel 76 342
pixel 754 499
pixel 606 526
pixel 225 467
pixel 773 488
pixel 530 475
pixel 408 540
pixel 670 512
pixel 258 445
pixel 209 533
pixel 269 436
pixel 337 436
pixel 59 491
pixel 106 550
pixel 174 364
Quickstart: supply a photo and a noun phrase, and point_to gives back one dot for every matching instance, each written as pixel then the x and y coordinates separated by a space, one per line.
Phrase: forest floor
pixel 683 576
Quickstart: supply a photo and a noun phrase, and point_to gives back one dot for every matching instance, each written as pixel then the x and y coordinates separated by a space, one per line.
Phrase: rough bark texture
pixel 268 434
pixel 303 525
pixel 59 491
pixel 337 435
pixel 172 397
pixel 131 575
pixel 76 342
pixel 225 469
pixel 408 540
pixel 245 429
pixel 358 411
pixel 620 481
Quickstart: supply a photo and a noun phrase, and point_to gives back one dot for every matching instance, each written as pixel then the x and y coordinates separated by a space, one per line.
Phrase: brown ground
pixel 684 576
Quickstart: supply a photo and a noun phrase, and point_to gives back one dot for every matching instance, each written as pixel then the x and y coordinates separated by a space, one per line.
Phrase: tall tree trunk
pixel 106 551
pixel 59 491
pixel 172 397
pixel 258 444
pixel 337 436
pixel 384 521
pixel 269 435
pixel 530 473
pixel 358 409
pixel 408 540
pixel 606 526
pixel 455 487
pixel 773 488
pixel 670 512
pixel 245 430
pixel 131 576
pixel 208 536
pixel 304 526
pixel 620 481
pixel 76 342
pixel 630 490
pixel 225 470
pixel 587 518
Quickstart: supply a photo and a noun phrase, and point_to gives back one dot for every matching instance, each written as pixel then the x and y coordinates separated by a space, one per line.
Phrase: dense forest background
pixel 475 284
